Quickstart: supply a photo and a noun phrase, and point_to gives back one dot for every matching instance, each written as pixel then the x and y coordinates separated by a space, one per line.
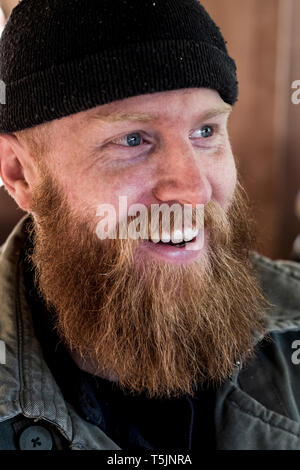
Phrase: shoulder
pixel 272 376
pixel 280 283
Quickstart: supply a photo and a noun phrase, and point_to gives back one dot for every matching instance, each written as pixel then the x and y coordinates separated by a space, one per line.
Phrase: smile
pixel 176 252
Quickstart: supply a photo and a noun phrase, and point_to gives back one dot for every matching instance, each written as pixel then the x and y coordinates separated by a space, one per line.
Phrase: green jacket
pixel 259 408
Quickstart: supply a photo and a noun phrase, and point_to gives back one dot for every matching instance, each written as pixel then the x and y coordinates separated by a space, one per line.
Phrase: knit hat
pixel 59 57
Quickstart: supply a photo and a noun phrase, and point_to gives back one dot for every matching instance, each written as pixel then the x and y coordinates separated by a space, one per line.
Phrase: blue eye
pixel 134 139
pixel 130 140
pixel 206 131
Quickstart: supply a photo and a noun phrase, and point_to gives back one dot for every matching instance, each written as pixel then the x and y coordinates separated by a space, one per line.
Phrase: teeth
pixel 165 237
pixel 178 236
pixel 190 233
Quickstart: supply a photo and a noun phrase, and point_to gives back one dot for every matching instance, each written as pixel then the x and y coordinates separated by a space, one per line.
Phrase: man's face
pixel 170 147
pixel 157 320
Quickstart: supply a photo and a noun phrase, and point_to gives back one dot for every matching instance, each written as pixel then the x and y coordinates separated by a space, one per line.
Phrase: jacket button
pixel 35 438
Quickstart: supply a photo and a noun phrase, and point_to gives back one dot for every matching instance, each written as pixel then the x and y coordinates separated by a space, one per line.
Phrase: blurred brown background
pixel 264 39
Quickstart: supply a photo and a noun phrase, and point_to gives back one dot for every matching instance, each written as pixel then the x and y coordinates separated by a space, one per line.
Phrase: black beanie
pixel 59 57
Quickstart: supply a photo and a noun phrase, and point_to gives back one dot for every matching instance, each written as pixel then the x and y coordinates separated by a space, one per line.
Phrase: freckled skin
pixel 174 167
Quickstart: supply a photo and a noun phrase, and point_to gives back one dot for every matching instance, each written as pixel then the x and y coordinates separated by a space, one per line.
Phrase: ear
pixel 17 170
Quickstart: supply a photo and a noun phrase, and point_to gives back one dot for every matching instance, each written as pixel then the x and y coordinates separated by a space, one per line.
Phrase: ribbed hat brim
pixel 94 80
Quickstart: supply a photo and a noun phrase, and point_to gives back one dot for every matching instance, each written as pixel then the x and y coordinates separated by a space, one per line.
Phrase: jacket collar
pixel 26 382
pixel 31 386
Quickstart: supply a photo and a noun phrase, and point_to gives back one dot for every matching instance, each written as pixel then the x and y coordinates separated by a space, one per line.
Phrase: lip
pixel 174 255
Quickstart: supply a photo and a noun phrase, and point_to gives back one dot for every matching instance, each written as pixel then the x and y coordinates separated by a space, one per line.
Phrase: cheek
pixel 117 193
pixel 224 183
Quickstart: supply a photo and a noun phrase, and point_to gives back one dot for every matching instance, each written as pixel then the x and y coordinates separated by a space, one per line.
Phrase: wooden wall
pixel 289 146
pixel 263 39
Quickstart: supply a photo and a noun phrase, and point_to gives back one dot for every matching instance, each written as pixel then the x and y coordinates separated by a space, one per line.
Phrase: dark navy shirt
pixel 132 422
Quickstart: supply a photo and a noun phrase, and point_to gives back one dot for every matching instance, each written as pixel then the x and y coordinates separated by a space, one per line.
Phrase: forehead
pixel 153 107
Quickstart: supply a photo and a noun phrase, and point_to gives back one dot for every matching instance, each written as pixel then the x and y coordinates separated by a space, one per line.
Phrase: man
pixel 181 342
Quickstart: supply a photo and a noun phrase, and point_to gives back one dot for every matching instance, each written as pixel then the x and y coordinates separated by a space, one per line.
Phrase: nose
pixel 181 178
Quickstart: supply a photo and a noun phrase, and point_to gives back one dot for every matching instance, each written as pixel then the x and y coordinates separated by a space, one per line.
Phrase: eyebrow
pixel 145 117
